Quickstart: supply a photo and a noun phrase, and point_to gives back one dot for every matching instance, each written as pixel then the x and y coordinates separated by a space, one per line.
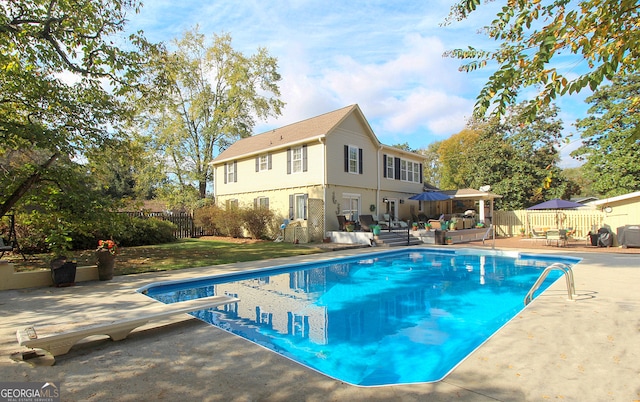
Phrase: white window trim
pixel 354 163
pixel 295 150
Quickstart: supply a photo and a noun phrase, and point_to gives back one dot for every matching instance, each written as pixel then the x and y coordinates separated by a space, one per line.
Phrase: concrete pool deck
pixel 586 350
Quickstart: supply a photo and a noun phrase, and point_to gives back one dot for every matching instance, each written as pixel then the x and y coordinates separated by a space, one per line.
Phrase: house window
pixel 230 172
pixel 351 209
pixel 352 159
pixel 262 202
pixel 403 170
pixel 298 206
pixel 297 159
pixel 263 162
pixel 232 203
pixel 416 172
pixel 390 171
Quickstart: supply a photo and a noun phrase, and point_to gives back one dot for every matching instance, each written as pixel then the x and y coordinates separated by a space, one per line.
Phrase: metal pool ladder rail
pixel 568 275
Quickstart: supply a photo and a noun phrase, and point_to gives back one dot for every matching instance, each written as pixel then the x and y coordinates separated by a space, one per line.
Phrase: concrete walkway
pixel 587 350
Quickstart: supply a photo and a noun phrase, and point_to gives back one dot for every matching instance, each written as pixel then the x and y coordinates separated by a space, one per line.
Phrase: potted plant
pixel 452 224
pixel 414 225
pixel 376 230
pixel 522 232
pixel 448 240
pixel 63 266
pixel 427 226
pixel 106 255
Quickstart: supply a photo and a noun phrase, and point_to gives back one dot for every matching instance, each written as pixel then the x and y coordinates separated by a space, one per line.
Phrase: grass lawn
pixel 185 253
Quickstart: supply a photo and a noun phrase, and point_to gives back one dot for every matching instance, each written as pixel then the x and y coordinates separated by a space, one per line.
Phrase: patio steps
pixel 395 239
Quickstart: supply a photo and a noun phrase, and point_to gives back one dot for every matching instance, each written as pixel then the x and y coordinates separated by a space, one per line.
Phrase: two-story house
pixel 314 170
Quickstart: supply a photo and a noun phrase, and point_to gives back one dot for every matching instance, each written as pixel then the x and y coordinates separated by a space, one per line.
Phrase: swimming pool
pixel 393 317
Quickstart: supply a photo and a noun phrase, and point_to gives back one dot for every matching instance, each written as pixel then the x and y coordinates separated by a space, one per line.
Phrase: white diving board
pixel 59 338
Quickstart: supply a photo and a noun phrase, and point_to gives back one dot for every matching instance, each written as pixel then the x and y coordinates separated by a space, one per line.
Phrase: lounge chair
pixel 538 235
pixel 366 221
pixel 60 338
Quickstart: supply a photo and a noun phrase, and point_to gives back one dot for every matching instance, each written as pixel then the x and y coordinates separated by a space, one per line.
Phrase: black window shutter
pixel 269 161
pixel 255 203
pixel 346 158
pixel 304 158
pixel 397 168
pixel 257 163
pixel 360 160
pixel 384 165
pixel 288 160
pixel 235 171
pixel 306 201
pixel 421 178
pixel 225 173
pixel 291 217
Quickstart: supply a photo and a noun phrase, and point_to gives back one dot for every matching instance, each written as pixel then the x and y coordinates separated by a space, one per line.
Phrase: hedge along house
pixel 314 170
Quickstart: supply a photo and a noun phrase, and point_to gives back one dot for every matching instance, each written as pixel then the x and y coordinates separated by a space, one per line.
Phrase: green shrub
pixel 257 222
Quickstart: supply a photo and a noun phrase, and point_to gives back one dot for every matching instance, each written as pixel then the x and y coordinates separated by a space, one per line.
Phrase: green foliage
pixel 516 157
pixel 609 147
pixel 603 34
pixel 257 222
pixel 41 113
pixel 453 153
pixel 207 95
pixel 431 164
pixel 138 231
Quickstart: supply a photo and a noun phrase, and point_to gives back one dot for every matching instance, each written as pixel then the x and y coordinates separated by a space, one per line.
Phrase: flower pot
pixel 63 272
pixel 376 230
pixel 106 264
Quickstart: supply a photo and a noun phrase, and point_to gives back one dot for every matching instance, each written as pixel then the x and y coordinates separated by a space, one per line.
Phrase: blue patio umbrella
pixel 430 196
pixel 557 203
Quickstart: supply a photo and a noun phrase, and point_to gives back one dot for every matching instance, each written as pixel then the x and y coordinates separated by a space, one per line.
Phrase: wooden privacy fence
pixel 510 223
pixel 185 225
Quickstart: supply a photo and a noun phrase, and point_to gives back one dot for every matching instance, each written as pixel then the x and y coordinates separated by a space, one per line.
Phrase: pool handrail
pixel 558 266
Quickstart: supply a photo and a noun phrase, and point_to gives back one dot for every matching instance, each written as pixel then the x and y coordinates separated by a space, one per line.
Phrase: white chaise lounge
pixel 58 339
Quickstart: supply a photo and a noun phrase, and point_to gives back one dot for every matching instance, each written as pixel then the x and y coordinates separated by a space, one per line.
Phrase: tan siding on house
pixel 276 178
pixel 352 133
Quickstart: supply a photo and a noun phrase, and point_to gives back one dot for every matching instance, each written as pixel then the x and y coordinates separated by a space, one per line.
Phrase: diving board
pixel 58 339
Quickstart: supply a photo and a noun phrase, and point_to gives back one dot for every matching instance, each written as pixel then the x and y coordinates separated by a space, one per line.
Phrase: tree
pixel 609 149
pixel 209 96
pixel 519 159
pixel 61 77
pixel 454 152
pixel 531 33
pixel 431 164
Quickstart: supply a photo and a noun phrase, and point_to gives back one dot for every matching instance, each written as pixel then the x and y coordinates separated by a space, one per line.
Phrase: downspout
pixel 379 181
pixel 324 186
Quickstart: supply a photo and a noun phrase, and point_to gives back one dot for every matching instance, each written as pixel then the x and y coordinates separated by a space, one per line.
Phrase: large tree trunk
pixel 25 186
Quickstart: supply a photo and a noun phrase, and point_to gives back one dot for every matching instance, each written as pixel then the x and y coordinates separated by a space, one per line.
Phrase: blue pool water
pixel 376 319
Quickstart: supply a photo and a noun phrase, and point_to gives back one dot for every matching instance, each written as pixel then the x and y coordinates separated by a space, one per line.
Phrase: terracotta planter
pixel 106 264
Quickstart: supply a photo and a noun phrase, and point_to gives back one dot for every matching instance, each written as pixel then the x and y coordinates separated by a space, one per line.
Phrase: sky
pixel 385 56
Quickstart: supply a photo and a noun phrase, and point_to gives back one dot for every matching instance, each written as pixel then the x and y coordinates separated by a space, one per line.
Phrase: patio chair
pixel 559 236
pixel 366 221
pixel 4 248
pixel 538 235
pixel 395 224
